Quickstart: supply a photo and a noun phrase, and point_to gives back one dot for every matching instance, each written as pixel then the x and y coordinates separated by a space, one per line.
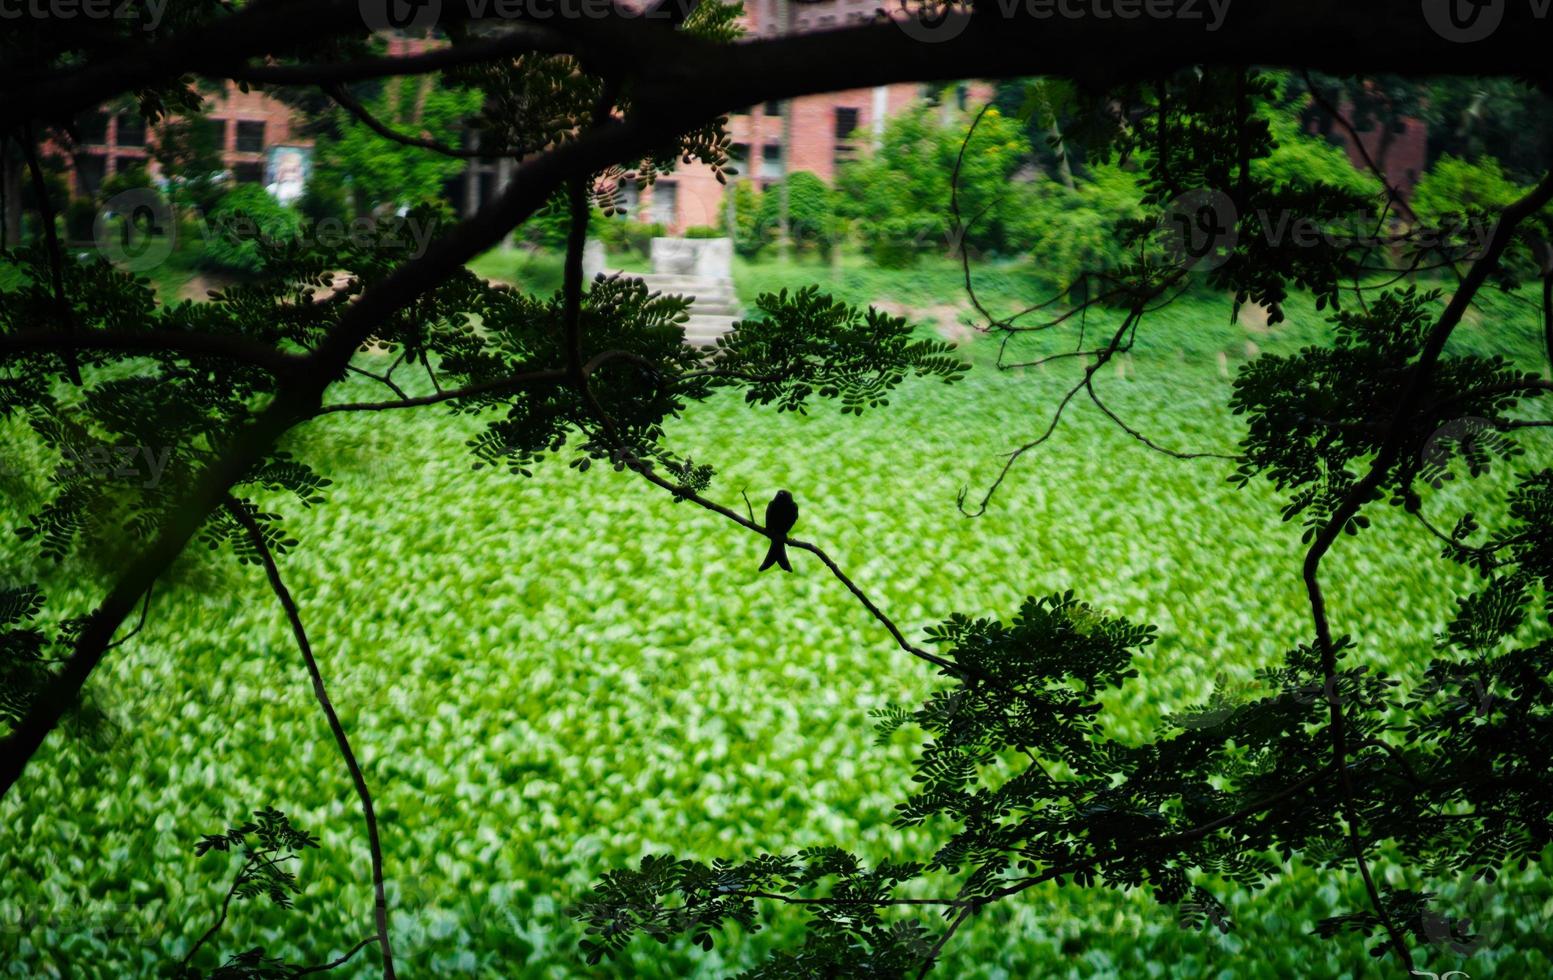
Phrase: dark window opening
pixel 132 130
pixel 250 136
pixel 846 122
pixel 94 127
pixel 773 108
pixel 771 160
pixel 248 173
pixel 90 171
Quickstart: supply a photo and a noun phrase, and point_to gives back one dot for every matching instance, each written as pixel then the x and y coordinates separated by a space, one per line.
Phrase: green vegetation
pixel 572 701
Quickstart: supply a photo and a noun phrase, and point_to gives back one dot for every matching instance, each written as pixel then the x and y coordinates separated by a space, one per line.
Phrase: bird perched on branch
pixel 781 515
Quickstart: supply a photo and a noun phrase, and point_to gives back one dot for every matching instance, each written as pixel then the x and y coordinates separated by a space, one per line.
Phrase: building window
pixel 250 135
pixel 665 202
pixel 131 130
pixel 94 128
pixel 846 129
pixel 248 173
pixel 846 122
pixel 773 108
pixel 90 171
pixel 216 129
pixel 771 160
pixel 739 157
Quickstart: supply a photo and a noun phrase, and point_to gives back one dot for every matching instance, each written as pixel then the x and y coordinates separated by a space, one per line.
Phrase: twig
pixel 240 514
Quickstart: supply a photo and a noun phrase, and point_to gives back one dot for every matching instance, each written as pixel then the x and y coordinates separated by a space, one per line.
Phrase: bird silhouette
pixel 781 515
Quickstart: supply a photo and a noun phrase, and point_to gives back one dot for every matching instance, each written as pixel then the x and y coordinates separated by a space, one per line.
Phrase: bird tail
pixel 777 555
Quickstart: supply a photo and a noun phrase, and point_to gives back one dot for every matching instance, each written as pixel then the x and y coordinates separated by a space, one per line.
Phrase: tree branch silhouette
pixel 240 513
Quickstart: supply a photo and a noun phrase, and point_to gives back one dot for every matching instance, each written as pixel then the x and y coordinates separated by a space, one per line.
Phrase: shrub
pixel 900 195
pixel 811 213
pixel 1454 186
pixel 705 231
pixel 326 196
pixel 1071 232
pixel 80 219
pixel 623 235
pixel 748 236
pixel 244 218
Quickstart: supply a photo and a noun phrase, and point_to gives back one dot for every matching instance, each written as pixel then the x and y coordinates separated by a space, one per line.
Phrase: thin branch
pixel 496 386
pixel 240 514
pixel 1051 427
pixel 685 493
pixel 353 106
pixel 1089 385
pixel 215 927
pixel 325 967
pixel 145 607
pixel 63 312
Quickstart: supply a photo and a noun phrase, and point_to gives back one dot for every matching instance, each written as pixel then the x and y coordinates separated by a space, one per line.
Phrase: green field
pixel 549 677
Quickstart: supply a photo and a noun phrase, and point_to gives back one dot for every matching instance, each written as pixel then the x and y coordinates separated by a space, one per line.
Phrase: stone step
pixel 716 309
pixel 685 284
pixel 705 290
pixel 703 331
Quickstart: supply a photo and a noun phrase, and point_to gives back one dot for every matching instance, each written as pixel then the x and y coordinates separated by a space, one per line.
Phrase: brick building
pixel 815 133
pixel 246 125
pixel 811 133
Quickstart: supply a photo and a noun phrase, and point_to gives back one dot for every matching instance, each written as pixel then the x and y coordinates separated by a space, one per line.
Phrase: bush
pixel 900 195
pixel 748 237
pixel 325 196
pixel 1299 158
pixel 244 218
pixel 811 213
pixel 1071 232
pixel 129 178
pixel 705 231
pixel 80 219
pixel 624 235
pixel 1460 187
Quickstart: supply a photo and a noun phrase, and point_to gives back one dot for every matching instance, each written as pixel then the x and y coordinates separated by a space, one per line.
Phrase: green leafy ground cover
pixel 550 677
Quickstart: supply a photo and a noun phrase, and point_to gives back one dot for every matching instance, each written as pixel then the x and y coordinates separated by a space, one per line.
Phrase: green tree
pixel 384 174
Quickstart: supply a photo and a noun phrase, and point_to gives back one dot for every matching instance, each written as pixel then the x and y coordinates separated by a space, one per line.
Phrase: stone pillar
pixel 592 259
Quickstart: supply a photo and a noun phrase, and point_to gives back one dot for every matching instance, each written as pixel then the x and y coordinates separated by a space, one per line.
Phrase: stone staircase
pixel 713 307
pixel 697 269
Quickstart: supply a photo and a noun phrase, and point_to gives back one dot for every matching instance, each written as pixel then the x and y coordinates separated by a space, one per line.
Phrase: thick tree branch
pixel 674 69
pixel 514 41
pixel 154 342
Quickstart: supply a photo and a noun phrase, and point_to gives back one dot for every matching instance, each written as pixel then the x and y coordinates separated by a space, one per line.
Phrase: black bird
pixel 781 515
